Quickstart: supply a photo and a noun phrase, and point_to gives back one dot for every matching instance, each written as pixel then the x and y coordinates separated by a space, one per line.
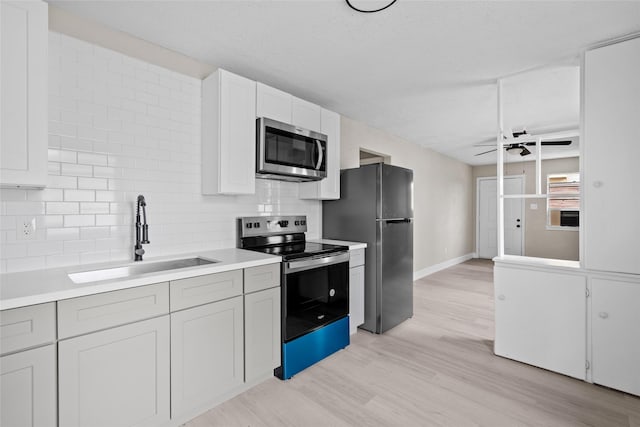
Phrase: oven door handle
pixel 315 262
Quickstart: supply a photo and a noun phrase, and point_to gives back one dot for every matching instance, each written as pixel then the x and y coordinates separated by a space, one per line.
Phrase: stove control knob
pixel 304 222
pixel 256 225
pixel 248 225
pixel 297 223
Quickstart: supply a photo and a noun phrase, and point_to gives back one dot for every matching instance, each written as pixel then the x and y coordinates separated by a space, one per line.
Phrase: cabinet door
pixel 228 134
pixel 23 140
pixel 356 298
pixel 206 355
pixel 273 103
pixel 117 377
pixel 262 333
pixel 305 114
pixel 540 319
pixel 615 339
pixel 610 174
pixel 28 388
pixel 328 188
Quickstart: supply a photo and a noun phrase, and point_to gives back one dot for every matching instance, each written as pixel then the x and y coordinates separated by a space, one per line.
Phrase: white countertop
pixel 538 262
pixel 40 286
pixel 351 245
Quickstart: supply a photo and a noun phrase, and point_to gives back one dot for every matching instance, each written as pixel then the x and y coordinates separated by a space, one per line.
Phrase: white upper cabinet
pixel 611 149
pixel 228 134
pixel 273 103
pixel 328 188
pixel 283 107
pixel 23 88
pixel 306 115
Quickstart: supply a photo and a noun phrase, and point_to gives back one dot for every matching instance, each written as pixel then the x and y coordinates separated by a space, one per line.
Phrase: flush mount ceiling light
pixel 366 6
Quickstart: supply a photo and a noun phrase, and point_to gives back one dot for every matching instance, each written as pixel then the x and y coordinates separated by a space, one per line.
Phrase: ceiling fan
pixel 521 147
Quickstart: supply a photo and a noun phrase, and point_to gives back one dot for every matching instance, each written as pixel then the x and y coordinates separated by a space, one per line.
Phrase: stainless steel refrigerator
pixel 376 207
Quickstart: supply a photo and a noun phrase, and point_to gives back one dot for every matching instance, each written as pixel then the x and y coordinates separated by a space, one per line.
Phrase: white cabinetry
pixel 262 333
pixel 28 388
pixel 305 114
pixel 615 339
pixel 283 107
pixel 328 188
pixel 611 147
pixel 116 377
pixel 28 376
pixel 273 103
pixel 540 318
pixel 228 134
pixel 23 88
pixel 356 290
pixel 206 356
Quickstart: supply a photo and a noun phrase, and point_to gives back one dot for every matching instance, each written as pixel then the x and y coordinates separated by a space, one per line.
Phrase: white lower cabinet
pixel 356 289
pixel 540 318
pixel 206 355
pixel 28 388
pixel 615 339
pixel 262 333
pixel 116 377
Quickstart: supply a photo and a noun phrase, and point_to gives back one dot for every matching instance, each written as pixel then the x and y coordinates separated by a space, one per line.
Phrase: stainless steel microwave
pixel 289 152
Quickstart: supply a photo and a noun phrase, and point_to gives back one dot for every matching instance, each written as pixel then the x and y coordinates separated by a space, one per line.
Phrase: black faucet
pixel 141 228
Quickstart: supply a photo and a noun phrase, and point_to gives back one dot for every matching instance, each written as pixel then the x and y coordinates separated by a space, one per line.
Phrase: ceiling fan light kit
pixel 359 9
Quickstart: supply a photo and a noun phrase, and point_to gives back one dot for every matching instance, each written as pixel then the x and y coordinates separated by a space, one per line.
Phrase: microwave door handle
pixel 320 155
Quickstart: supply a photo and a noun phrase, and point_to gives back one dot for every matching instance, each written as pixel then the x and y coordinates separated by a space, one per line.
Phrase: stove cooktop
pixel 299 249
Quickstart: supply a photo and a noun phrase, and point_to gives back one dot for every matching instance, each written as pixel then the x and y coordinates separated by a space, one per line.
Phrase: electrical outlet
pixel 26 228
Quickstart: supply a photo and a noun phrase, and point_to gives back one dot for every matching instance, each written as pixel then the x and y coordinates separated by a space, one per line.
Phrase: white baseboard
pixel 441 266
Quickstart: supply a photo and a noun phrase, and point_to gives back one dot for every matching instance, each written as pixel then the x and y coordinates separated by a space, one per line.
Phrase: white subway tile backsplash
pixel 79 195
pixel 79 220
pixel 62 208
pixel 69 169
pixel 120 127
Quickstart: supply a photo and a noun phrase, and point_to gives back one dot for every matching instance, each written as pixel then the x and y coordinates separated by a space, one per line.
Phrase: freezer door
pixel 396 192
pixel 395 272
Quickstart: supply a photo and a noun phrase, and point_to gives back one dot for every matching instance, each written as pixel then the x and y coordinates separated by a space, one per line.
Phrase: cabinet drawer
pixel 204 289
pixel 26 327
pixel 356 257
pixel 94 312
pixel 263 277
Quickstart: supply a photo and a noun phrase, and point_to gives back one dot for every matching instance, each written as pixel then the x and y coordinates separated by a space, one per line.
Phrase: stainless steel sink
pixel 136 269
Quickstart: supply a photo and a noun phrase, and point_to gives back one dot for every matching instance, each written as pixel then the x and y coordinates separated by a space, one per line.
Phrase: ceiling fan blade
pixel 485 152
pixel 568 142
pixel 525 152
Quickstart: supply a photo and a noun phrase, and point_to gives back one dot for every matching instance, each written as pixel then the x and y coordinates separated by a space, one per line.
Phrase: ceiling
pixel 423 70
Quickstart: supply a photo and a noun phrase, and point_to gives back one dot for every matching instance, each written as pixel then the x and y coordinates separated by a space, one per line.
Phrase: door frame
pixel 487 178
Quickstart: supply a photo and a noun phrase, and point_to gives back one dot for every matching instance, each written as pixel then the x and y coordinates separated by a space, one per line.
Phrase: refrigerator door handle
pixel 395 220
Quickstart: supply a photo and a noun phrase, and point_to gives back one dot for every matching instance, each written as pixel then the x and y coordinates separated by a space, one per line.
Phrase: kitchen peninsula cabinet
pixel 540 318
pixel 24 67
pixel 611 205
pixel 615 317
pixel 228 134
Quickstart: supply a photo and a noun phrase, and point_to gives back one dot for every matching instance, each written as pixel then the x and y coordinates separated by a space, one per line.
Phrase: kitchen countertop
pixel 41 286
pixel 352 245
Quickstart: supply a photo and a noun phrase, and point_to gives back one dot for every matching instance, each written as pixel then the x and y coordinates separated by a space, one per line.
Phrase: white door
pixel 488 217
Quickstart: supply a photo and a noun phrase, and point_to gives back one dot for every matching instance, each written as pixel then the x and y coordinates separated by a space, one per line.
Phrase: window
pixel 563 201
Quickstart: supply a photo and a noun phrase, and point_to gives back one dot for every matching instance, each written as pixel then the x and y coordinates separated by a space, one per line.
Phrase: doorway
pixel 487 217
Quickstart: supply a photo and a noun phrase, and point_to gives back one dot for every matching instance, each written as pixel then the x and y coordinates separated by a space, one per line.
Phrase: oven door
pixel 315 293
pixel 289 150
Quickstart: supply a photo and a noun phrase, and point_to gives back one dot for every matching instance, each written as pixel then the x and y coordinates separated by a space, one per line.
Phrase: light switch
pixel 533 206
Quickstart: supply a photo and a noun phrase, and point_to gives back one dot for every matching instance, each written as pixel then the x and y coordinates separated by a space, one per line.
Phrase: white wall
pixel 119 127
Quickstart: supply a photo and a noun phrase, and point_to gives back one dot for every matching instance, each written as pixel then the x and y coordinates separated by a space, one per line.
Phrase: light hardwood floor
pixel 436 369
